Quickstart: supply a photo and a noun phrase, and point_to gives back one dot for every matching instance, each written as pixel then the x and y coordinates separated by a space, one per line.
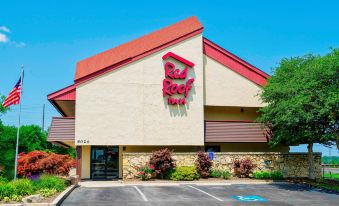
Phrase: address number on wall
pixel 83 141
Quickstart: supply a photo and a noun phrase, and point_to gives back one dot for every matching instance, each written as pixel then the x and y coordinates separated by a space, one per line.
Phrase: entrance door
pixel 104 162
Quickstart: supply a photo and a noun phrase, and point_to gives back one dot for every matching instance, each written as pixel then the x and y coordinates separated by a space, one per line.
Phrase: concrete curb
pixel 174 183
pixel 56 202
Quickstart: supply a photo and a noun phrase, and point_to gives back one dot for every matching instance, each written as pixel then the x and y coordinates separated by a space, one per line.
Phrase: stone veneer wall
pixel 291 164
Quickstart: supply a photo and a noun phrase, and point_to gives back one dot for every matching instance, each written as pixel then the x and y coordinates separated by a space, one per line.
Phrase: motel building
pixel 171 88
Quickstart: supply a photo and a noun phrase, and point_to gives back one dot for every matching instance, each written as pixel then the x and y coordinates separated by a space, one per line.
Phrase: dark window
pixel 214 148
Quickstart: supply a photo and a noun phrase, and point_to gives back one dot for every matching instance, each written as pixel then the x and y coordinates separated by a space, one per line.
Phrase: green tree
pixel 3 110
pixel 302 99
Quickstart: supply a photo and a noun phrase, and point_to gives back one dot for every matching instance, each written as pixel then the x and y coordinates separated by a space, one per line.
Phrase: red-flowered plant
pixel 162 161
pixel 243 168
pixel 203 164
pixel 38 162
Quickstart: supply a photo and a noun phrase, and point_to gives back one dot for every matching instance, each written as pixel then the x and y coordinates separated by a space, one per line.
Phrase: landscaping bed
pixel 46 186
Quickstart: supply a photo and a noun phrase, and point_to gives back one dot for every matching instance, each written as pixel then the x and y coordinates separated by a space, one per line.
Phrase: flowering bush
pixel 243 168
pixel 145 172
pixel 162 161
pixel 38 162
pixel 203 164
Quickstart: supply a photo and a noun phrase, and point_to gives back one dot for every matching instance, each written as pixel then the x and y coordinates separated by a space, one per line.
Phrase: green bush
pixel 218 173
pixel 226 174
pixel 3 180
pixel 46 185
pixel 6 190
pixel 49 181
pixel 183 173
pixel 275 175
pixel 22 187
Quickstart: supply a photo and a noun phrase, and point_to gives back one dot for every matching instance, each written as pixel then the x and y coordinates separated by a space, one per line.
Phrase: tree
pixel 31 138
pixel 2 109
pixel 302 99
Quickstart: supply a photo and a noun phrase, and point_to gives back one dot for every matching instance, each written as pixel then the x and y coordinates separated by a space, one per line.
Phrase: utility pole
pixel 43 118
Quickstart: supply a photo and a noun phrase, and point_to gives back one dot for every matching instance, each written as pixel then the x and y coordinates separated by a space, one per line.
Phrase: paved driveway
pixel 264 194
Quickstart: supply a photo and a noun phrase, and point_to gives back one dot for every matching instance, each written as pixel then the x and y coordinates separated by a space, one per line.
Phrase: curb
pixel 58 200
pixel 178 183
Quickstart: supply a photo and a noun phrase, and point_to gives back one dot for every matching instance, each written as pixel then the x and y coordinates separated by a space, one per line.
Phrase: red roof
pixel 136 49
pixel 67 94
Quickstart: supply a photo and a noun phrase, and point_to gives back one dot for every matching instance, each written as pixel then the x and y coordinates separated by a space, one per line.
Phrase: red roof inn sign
pixel 172 73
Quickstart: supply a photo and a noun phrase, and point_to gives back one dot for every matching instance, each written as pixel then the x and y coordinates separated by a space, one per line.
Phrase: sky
pixel 49 37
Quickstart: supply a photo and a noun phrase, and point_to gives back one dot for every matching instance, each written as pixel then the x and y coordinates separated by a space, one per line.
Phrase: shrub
pixel 46 192
pixel 6 190
pixel 162 161
pixel 145 172
pixel 261 175
pixel 218 173
pixel 183 173
pixel 38 162
pixel 275 175
pixel 243 168
pixel 22 187
pixel 3 180
pixel 226 174
pixel 203 164
pixel 49 181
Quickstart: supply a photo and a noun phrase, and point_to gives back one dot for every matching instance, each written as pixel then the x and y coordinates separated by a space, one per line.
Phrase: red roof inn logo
pixel 171 74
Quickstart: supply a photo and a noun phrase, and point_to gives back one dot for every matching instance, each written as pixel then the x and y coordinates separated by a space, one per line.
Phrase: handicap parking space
pixel 192 194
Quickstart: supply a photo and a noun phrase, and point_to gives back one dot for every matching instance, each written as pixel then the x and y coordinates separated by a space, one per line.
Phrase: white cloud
pixel 4 29
pixel 3 38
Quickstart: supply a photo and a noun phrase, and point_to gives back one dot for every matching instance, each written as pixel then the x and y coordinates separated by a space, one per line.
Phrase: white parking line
pixel 205 193
pixel 141 194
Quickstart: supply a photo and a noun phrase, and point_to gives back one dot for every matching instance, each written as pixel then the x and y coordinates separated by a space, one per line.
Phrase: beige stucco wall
pixel 224 87
pixel 126 106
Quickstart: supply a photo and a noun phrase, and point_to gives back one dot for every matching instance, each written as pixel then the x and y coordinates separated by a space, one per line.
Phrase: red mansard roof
pixel 136 49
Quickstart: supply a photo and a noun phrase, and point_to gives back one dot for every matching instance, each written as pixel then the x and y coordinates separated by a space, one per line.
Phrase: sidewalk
pixel 119 183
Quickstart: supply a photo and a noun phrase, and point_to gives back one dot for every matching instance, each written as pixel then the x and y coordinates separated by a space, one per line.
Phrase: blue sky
pixel 49 37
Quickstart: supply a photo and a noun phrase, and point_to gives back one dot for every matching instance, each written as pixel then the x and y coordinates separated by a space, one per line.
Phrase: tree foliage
pixel 3 110
pixel 31 138
pixel 303 100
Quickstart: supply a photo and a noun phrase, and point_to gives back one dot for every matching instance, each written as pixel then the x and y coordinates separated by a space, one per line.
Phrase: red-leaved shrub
pixel 162 161
pixel 243 168
pixel 203 164
pixel 38 162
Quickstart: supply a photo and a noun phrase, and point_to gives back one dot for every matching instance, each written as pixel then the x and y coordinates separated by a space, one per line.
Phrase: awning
pixel 225 131
pixel 62 129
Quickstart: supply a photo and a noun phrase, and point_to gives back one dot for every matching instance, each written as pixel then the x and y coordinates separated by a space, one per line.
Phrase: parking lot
pixel 190 194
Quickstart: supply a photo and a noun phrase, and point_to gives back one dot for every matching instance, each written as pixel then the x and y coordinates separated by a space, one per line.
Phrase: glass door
pixel 104 162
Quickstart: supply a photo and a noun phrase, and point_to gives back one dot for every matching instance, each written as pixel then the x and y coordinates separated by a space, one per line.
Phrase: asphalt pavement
pixel 191 194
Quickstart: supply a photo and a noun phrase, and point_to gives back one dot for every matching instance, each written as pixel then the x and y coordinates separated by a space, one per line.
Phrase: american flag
pixel 14 95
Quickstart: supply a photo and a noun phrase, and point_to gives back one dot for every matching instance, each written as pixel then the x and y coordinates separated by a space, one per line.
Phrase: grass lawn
pixel 331 176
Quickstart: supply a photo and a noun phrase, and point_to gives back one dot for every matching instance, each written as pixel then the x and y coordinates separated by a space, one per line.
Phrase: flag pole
pixel 19 123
